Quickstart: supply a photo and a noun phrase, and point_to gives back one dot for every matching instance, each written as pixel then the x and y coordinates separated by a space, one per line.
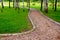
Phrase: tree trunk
pixel 17 1
pixel 41 4
pixel 15 4
pixel 46 6
pixel 29 4
pixel 2 3
pixel 55 5
pixel 9 3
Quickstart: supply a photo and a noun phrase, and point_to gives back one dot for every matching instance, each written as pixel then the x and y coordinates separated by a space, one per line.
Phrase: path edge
pixel 57 23
pixel 27 32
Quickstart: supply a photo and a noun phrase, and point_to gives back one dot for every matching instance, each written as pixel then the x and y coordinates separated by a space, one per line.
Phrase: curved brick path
pixel 45 29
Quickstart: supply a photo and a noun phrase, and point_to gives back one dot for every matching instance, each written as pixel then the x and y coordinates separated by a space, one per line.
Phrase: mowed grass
pixel 55 15
pixel 12 21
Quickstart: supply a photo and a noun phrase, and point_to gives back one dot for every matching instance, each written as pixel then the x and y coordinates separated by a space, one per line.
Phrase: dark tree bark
pixel 41 4
pixel 9 3
pixel 13 3
pixel 55 5
pixel 29 4
pixel 2 3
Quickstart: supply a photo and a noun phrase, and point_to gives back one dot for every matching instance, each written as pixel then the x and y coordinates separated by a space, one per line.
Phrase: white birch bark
pixel 15 4
pixel 18 4
pixel 45 5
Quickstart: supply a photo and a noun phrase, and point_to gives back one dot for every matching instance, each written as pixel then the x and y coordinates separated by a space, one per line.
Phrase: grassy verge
pixel 12 21
pixel 55 15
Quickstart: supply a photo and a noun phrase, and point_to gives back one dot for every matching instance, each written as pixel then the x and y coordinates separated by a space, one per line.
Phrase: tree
pixel 2 3
pixel 15 4
pixel 9 3
pixel 41 4
pixel 55 5
pixel 29 4
pixel 46 6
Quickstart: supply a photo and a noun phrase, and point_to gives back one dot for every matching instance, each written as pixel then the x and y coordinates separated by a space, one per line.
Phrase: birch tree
pixel 15 4
pixel 53 4
pixel 46 6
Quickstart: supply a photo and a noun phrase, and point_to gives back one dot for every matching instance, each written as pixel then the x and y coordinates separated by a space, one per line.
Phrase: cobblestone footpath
pixel 45 29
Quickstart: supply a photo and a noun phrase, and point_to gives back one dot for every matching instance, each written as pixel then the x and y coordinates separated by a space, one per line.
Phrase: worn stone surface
pixel 45 29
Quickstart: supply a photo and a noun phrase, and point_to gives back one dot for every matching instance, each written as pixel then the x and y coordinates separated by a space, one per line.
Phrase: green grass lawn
pixel 55 15
pixel 12 21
